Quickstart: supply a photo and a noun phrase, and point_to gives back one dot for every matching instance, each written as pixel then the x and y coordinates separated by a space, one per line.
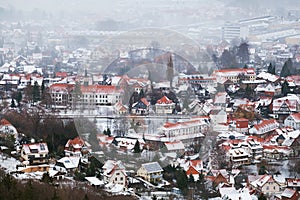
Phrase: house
pixel 35 157
pixel 114 173
pixel 94 181
pixel 186 131
pixel 234 75
pixel 164 106
pixel 6 128
pixel 286 105
pixel 128 144
pixel 175 146
pixel 140 107
pixel 193 168
pixel 293 120
pixel 91 96
pixel 265 184
pixel 290 194
pixel 151 172
pixel 70 163
pixel 271 78
pixel 241 125
pixel 217 177
pixel 264 127
pixel 293 183
pixel 238 157
pixel 120 109
pixel 276 152
pixel 256 149
pixel 77 147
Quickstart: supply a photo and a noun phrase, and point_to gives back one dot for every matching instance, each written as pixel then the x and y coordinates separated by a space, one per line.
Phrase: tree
pixel 170 70
pixel 243 53
pixel 285 88
pixel 262 197
pixel 137 148
pixel 12 105
pixel 262 170
pixel 228 59
pixel 287 68
pixel 271 69
pixel 19 98
pixel 46 178
pixel 36 95
pixel 181 180
pixel 191 178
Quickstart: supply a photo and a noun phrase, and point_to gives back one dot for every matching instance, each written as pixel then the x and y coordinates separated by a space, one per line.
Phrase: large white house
pixel 234 75
pixel 185 131
pixel 65 95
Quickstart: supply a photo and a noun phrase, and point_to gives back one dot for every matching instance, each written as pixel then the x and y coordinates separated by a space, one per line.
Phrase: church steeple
pixel 86 79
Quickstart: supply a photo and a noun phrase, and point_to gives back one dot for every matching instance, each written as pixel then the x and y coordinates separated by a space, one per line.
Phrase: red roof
pixel 164 100
pixel 192 171
pixel 265 123
pixel 4 122
pixel 296 116
pixel 238 70
pixel 76 141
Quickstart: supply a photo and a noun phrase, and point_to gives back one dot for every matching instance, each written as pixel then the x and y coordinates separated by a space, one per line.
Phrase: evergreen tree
pixel 12 105
pixel 271 69
pixel 285 88
pixel 181 180
pixel 287 68
pixel 228 59
pixel 137 148
pixel 243 53
pixel 19 98
pixel 191 178
pixel 36 96
pixel 43 90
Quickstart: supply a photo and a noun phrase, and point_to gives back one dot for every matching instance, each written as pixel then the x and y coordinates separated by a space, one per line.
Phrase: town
pixel 150 113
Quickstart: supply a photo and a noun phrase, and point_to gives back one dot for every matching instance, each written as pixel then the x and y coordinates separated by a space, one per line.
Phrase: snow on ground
pixel 8 164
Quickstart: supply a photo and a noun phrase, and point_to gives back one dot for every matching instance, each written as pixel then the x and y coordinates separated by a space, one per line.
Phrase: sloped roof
pixel 70 162
pixel 296 117
pixel 39 147
pixel 164 100
pixel 152 167
pixel 288 193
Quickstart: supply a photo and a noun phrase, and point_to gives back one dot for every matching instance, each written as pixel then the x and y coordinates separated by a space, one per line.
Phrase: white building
pixel 293 120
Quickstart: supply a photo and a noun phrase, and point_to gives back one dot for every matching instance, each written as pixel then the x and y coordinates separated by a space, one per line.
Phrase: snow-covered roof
pixel 152 167
pixel 94 181
pixel 288 193
pixel 70 162
pixel 173 146
pixel 267 76
pixel 234 194
pixel 35 148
